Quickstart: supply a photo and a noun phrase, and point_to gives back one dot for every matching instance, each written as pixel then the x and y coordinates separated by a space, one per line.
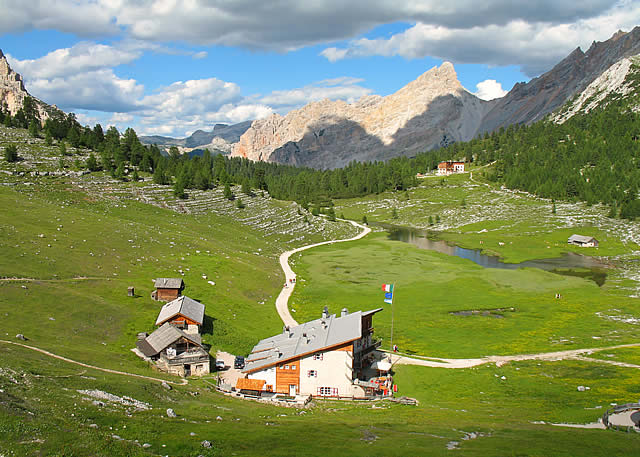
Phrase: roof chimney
pixel 344 312
pixel 325 312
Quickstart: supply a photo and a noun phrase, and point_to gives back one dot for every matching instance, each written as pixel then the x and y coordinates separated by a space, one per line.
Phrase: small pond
pixel 569 264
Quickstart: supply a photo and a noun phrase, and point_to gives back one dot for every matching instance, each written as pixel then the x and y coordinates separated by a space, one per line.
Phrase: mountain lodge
pixel 167 289
pixel 333 356
pixel 450 167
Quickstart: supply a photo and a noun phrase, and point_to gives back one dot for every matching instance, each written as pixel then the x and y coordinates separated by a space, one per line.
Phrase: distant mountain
pixel 13 93
pixel 430 112
pixel 219 139
pixel 529 102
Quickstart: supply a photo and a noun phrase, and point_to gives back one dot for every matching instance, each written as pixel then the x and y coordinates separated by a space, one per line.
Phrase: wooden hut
pixel 167 289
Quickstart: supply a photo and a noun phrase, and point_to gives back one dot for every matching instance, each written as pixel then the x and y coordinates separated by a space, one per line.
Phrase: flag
pixel 388 295
pixel 387 287
pixel 388 300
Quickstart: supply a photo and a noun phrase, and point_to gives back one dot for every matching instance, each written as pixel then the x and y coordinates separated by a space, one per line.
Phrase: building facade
pixel 328 357
pixel 450 167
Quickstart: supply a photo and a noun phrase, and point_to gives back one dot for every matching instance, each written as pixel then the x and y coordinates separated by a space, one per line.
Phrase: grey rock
pixel 166 385
pixel 146 445
pixel 206 444
pixel 171 413
pixel 20 336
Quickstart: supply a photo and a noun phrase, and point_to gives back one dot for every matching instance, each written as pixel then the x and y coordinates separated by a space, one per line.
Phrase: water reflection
pixel 569 264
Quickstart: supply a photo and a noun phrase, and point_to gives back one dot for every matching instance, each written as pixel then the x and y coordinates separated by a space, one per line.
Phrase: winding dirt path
pixel 499 360
pixel 106 370
pixel 282 302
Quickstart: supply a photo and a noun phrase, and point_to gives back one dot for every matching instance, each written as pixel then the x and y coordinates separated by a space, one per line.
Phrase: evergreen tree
pixel 365 221
pixel 239 204
pixel 92 163
pixel 332 214
pixel 7 120
pixel 134 175
pixel 11 153
pixel 62 148
pixel 178 189
pixel 227 192
pixel 48 139
pixel 119 174
pixel 437 219
pixel 394 213
pixel 430 220
pixel 34 129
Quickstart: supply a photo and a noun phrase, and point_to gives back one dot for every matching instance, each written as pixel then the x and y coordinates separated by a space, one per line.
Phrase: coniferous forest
pixel 593 157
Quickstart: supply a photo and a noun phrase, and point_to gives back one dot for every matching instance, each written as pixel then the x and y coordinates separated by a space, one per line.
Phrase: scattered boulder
pixel 166 385
pixel 20 336
pixel 206 444
pixel 218 418
pixel 171 413
pixel 583 388
pixel 146 445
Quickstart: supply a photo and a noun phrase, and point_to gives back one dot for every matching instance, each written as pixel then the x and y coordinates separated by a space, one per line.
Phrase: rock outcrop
pixel 430 112
pixel 614 81
pixel 13 92
pixel 529 102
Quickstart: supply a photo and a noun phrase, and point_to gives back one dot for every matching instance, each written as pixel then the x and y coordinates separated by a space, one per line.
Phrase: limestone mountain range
pixel 427 113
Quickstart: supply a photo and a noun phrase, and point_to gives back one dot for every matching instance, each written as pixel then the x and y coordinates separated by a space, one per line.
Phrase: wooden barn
pixel 184 313
pixel 167 289
pixel 175 351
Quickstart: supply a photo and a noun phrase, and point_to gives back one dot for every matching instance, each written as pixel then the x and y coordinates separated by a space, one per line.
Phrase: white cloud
pixel 281 25
pixel 534 46
pixel 81 57
pixel 490 89
pixel 82 18
pixel 345 88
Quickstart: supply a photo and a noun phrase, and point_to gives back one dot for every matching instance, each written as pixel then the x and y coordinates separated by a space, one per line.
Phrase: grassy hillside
pixel 71 245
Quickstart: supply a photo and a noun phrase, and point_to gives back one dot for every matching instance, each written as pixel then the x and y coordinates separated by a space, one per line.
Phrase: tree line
pixel 592 157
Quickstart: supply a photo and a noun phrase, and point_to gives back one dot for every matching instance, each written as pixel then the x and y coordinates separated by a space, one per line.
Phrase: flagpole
pixel 393 292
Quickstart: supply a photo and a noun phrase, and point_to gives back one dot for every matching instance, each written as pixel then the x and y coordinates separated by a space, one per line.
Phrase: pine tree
pixel 239 204
pixel 134 176
pixel 365 221
pixel 227 192
pixel 34 129
pixel 62 148
pixel 394 213
pixel 11 153
pixel 92 163
pixel 430 220
pixel 48 139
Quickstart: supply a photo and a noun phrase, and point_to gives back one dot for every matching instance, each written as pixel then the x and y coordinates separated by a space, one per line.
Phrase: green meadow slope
pixel 70 246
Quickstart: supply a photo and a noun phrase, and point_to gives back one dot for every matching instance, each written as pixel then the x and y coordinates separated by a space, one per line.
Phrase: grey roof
pixel 169 283
pixel 182 305
pixel 164 337
pixel 580 239
pixel 307 338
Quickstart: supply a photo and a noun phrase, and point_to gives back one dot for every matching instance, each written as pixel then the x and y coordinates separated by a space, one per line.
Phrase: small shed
pixel 183 312
pixel 167 289
pixel 583 241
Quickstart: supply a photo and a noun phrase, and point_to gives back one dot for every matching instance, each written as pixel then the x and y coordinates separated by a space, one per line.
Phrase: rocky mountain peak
pixel 428 112
pixel 13 92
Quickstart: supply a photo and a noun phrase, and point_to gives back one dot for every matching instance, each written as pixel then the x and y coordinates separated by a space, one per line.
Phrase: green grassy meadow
pixel 67 257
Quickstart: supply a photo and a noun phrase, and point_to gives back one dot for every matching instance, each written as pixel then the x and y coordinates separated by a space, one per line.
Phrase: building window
pixel 282 367
pixel 312 374
pixel 293 367
pixel 286 367
pixel 328 391
pixel 317 356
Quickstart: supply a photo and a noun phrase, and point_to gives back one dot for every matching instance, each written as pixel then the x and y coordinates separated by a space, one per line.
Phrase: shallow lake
pixel 569 264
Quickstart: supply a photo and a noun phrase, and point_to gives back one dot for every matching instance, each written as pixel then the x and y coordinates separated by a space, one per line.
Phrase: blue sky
pixel 171 67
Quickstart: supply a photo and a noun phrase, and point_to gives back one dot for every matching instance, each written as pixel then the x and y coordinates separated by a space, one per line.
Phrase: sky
pixel 170 67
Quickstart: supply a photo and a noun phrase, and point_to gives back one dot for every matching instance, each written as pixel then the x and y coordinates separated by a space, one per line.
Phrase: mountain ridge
pixel 431 111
